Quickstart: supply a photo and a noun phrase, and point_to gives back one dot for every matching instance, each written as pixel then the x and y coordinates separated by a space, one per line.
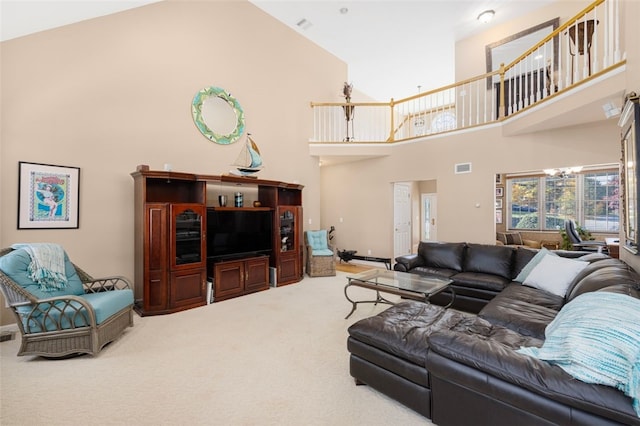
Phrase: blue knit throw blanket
pixel 47 266
pixel 596 339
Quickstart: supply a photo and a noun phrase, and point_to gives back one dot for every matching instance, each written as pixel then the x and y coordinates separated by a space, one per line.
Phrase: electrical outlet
pixel 369 252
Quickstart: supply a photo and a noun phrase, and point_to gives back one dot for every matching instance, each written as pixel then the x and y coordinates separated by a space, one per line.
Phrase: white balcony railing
pixel 587 45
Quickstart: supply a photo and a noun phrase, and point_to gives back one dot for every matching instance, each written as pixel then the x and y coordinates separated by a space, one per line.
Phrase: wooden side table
pixel 613 246
pixel 550 245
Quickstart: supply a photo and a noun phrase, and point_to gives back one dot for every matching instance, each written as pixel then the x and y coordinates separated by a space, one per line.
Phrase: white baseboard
pixel 364 263
pixel 9 328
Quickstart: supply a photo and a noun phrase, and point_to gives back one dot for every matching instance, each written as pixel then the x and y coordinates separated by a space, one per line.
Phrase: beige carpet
pixel 277 357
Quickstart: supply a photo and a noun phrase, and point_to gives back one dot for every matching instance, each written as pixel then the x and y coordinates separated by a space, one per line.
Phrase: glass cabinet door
pixel 187 234
pixel 288 226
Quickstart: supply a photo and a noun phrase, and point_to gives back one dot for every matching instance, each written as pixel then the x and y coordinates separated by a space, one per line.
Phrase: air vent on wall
pixel 463 168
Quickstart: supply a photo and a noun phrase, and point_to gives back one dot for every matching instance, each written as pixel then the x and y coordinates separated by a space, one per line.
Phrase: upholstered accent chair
pixel 81 317
pixel 320 254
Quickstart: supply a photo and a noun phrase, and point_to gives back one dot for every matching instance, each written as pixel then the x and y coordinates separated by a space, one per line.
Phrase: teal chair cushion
pixel 15 264
pixel 322 252
pixel 317 240
pixel 105 304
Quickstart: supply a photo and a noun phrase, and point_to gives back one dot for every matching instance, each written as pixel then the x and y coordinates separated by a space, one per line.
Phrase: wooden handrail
pixel 520 86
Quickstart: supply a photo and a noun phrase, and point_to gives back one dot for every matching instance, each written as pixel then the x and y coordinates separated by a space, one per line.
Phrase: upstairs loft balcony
pixel 574 75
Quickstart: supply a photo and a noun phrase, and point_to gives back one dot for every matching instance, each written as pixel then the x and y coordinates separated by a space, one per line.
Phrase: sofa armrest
pixel 454 353
pixel 98 285
pixel 408 262
pixel 56 314
pixel 532 243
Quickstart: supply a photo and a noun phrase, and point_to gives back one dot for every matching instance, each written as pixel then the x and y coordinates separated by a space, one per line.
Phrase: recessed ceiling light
pixel 344 10
pixel 486 16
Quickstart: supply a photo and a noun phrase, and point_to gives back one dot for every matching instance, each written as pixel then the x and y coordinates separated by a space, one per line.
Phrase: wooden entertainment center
pixel 172 264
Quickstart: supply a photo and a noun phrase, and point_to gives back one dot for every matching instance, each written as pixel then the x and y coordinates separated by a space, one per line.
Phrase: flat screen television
pixel 237 233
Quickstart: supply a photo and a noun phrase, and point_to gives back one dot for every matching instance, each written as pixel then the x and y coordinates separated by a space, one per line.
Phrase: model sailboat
pixel 249 161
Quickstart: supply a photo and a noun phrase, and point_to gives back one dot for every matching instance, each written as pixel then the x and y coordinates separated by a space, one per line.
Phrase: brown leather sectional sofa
pixel 461 368
pixel 479 271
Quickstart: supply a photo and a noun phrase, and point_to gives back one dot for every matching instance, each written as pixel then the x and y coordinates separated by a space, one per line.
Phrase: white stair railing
pixel 584 47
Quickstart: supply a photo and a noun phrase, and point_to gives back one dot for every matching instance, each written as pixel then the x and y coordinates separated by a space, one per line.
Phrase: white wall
pixel 113 92
pixel 361 192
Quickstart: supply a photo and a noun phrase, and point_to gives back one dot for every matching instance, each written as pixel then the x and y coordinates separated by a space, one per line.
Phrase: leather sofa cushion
pixel 439 272
pixel 442 255
pixel 623 289
pixel 603 274
pixel 481 281
pixel 488 259
pixel 402 330
pixel 493 352
pixel 594 266
pixel 523 309
pixel 521 257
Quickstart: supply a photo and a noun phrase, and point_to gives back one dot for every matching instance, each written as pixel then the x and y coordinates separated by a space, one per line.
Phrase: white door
pixel 401 219
pixel 428 231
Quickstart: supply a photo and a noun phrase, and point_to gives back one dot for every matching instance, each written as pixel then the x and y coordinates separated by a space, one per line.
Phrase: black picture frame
pixel 490 49
pixel 48 196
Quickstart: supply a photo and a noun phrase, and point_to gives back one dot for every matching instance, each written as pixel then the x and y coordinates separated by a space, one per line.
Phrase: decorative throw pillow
pixel 514 238
pixel 524 273
pixel 596 339
pixel 554 274
pixel 509 238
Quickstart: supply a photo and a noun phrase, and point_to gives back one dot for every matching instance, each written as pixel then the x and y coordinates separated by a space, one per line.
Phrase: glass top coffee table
pixel 411 286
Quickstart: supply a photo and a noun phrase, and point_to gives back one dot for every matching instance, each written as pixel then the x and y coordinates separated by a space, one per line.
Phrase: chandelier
pixel 563 172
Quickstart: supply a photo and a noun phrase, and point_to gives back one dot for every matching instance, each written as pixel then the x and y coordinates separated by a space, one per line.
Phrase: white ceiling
pixel 389 46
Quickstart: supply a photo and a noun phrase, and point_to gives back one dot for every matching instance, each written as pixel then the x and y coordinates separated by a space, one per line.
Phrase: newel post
pixel 391 134
pixel 501 93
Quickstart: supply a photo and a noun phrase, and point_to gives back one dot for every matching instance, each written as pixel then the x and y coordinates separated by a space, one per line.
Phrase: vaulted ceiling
pixel 389 46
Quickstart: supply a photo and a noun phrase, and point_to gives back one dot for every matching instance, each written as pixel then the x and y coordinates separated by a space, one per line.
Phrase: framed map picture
pixel 48 196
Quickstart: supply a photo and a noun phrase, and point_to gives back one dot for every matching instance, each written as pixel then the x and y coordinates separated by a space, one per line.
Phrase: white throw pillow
pixel 555 274
pixel 524 273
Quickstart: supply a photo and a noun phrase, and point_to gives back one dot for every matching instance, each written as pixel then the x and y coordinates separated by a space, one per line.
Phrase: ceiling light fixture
pixel 344 10
pixel 563 172
pixel 486 16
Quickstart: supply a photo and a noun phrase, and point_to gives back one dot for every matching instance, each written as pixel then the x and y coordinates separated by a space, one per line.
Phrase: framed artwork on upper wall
pixel 510 48
pixel 48 196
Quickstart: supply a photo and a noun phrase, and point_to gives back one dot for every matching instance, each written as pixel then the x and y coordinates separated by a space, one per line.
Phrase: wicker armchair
pixel 320 254
pixel 64 325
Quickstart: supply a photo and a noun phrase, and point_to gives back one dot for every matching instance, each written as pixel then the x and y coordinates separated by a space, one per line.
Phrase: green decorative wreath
pixel 196 111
